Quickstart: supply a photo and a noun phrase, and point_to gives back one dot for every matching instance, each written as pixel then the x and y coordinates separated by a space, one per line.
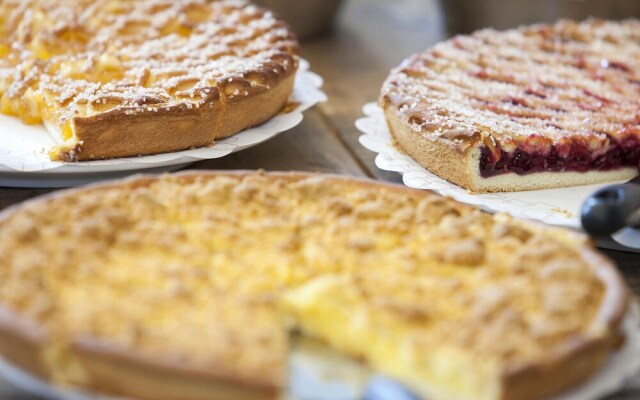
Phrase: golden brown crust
pixel 20 341
pixel 116 134
pixel 442 157
pixel 118 372
pixel 580 358
pixel 562 371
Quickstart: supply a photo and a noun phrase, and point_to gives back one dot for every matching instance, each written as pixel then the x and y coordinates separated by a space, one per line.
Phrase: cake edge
pixel 462 165
pixel 115 134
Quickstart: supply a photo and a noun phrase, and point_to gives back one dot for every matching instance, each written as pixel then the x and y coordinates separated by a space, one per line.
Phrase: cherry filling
pixel 579 159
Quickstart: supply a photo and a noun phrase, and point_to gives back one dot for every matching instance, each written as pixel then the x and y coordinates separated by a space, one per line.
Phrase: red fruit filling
pixel 579 159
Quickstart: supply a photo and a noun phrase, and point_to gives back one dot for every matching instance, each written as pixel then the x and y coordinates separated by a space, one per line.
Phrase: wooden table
pixel 370 38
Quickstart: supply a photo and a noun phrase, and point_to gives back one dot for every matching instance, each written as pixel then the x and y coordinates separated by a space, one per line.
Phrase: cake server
pixel 318 372
pixel 611 209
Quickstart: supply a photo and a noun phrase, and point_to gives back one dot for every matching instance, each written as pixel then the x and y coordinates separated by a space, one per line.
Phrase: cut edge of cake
pixel 461 164
pixel 124 132
pixel 564 366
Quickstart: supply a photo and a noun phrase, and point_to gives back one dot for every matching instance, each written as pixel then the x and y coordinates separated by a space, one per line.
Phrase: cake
pixel 117 78
pixel 189 286
pixel 536 107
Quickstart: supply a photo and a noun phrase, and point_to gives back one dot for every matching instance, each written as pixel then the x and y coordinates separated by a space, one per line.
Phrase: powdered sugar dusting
pixel 539 85
pixel 89 57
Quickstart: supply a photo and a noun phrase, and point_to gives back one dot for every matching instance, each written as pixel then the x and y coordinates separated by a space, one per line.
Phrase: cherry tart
pixel 537 107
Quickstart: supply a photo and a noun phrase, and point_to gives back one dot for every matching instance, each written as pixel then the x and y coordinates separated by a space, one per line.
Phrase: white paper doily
pixel 24 160
pixel 553 206
pixel 329 376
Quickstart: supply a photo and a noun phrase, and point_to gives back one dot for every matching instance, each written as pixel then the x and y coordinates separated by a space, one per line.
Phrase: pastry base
pixel 461 166
pixel 115 134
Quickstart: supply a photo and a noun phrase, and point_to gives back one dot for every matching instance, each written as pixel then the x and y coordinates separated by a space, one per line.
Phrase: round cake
pixel 187 287
pixel 531 108
pixel 116 78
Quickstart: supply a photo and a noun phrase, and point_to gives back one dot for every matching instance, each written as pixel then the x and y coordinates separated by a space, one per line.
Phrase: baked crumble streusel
pixel 140 287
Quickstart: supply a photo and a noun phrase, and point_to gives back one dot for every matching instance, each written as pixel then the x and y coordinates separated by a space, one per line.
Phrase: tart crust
pixel 115 372
pixel 175 128
pixel 93 364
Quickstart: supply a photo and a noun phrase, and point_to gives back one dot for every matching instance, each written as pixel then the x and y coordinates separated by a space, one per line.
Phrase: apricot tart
pixel 536 107
pixel 115 78
pixel 187 286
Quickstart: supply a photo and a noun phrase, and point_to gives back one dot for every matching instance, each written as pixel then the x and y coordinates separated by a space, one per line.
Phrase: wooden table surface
pixel 370 37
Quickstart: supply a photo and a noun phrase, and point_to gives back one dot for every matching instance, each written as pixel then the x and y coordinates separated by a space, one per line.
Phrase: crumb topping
pixel 194 267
